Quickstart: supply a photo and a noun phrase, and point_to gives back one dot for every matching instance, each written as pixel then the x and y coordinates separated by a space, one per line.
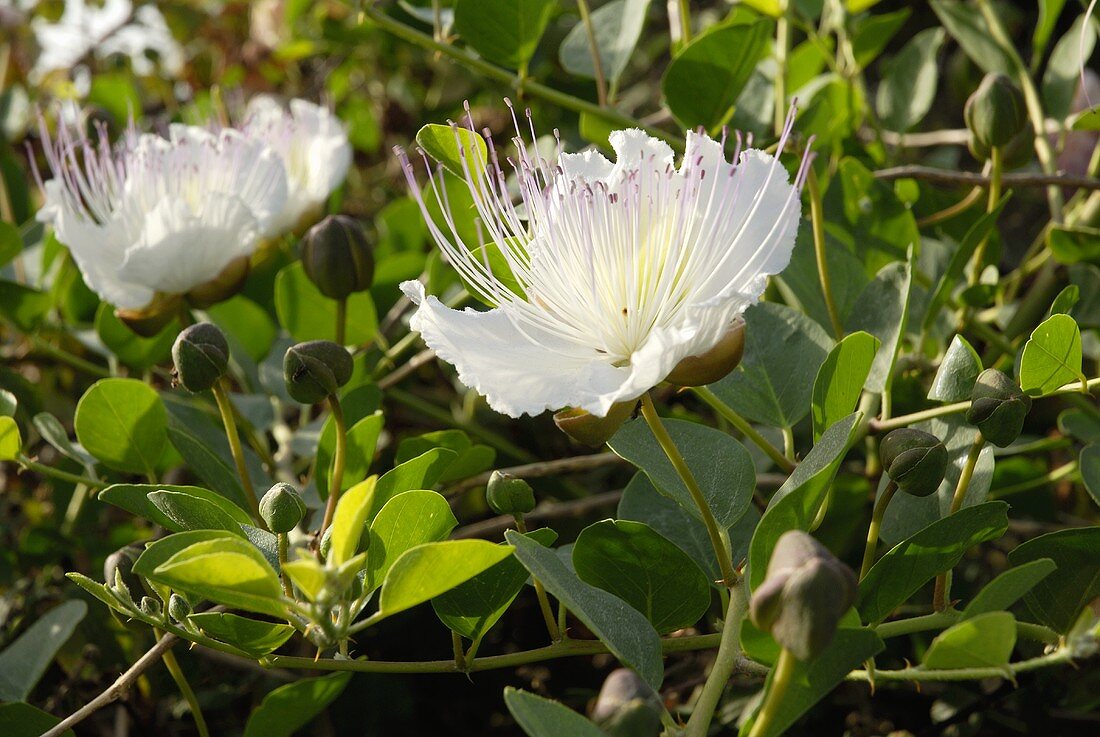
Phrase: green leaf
pixel 472 608
pixel 22 305
pixel 362 438
pixel 784 350
pixel 23 662
pixel 20 719
pixel 159 551
pixel 250 635
pixel 462 151
pixel 872 33
pixel 642 502
pixel 883 311
pixel 225 570
pixel 349 521
pixel 957 373
pixel 631 561
pixel 983 641
pixel 406 521
pixel 796 504
pixel 472 458
pixel 937 548
pixel 309 315
pixel 204 449
pixel 1064 303
pixel 720 464
pixel 540 717
pixel 1089 465
pixel 11 244
pixel 420 472
pixel 909 81
pixel 1052 356
pixel 195 513
pixel 628 634
pixel 1071 245
pixel 1059 598
pixel 123 423
pixel 247 323
pixel 840 380
pixel 1007 588
pixel 704 80
pixel 129 347
pixel 426 571
pixel 358 404
pixel 847 278
pixel 503 31
pixel 834 110
pixel 811 681
pixel 1049 10
pixel 11 442
pixel 134 498
pixel 1063 70
pixel 617 27
pixel 292 706
pixel 54 433
pixel 966 25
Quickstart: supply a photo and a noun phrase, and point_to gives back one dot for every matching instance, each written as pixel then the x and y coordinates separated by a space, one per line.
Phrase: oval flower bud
pixel 315 370
pixel 282 508
pixel 507 494
pixel 588 429
pixel 149 606
pixel 1014 154
pixel 178 608
pixel 710 366
pixel 914 460
pixel 337 258
pixel 118 572
pixel 998 407
pixel 201 356
pixel 803 596
pixel 996 112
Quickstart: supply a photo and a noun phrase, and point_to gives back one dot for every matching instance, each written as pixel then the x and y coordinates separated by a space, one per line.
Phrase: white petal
pixel 637 150
pixel 588 166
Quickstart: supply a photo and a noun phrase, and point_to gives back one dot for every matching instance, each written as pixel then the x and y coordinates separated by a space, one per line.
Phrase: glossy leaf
pixel 840 380
pixel 704 80
pixel 957 373
pixel 129 347
pixel 190 512
pixel 462 151
pixel 134 498
pixel 349 521
pixel 250 635
pixel 406 521
pixel 910 564
pixel 1058 599
pixel 643 569
pixel 883 311
pixel 309 315
pixel 123 423
pixel 1052 356
pixel 362 438
pixel 721 465
pixel 628 634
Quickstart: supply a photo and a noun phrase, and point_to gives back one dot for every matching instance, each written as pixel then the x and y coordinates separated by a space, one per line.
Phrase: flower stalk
pixel 943 581
pixel 188 693
pixel 338 460
pixel 729 653
pixel 225 408
pixel 742 426
pixel 547 611
pixel 817 218
pixel 777 687
pixel 873 529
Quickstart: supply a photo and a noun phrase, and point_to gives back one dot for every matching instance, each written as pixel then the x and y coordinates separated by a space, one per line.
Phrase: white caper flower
pixel 159 216
pixel 313 144
pixel 620 270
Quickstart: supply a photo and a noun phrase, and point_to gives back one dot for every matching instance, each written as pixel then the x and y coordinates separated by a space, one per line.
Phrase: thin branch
pixel 116 689
pixel 394 377
pixel 540 469
pixel 947 176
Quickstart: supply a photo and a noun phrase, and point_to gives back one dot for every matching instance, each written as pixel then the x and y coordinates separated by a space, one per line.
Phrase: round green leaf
pixel 123 423
pixel 309 315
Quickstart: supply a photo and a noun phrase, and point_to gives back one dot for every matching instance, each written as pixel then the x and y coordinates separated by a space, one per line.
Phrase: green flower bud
pixel 118 572
pixel 996 112
pixel 337 258
pixel 507 494
pixel 201 356
pixel 228 282
pixel 588 429
pixel 914 460
pixel 326 541
pixel 315 370
pixel 1014 154
pixel 282 508
pixel 998 407
pixel 150 607
pixel 803 596
pixel 178 608
pixel 710 366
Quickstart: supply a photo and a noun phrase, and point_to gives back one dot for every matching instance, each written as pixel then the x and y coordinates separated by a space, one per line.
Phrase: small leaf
pixel 883 311
pixel 129 347
pixel 292 706
pixel 957 373
pixel 249 635
pixel 309 315
pixel 840 380
pixel 1007 588
pixel 406 521
pixel 428 570
pixel 937 548
pixel 704 80
pixel 190 512
pixel 617 27
pixel 1071 245
pixel 350 520
pixel 643 569
pixel 628 634
pixel 909 81
pixel 1063 70
pixel 967 26
pixel 11 442
pixel 541 717
pixel 362 438
pixel 23 662
pixel 123 423
pixel 420 472
pixel 983 641
pixel 721 465
pixel 1064 303
pixel 1052 356
pixel 134 498
pixel 461 150
pixel 503 31
pixel 1059 598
